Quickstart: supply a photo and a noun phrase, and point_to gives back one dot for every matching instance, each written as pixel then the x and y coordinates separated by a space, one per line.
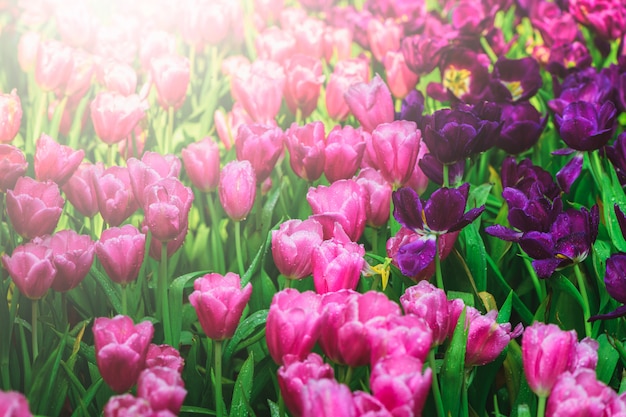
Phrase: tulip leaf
pixel 109 289
pixel 175 299
pixel 260 255
pixel 607 359
pixel 452 375
pixel 189 409
pixel 612 194
pixel 274 409
pixel 244 331
pixel 475 255
pixel 563 284
pixel 504 315
pixel 243 389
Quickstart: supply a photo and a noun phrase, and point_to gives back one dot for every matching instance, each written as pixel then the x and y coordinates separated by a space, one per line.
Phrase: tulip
pixel 55 162
pixel 154 44
pixel 293 375
pixel 293 245
pixel 76 24
pixel 370 103
pixel 164 356
pixel 615 282
pixel 293 324
pixel 309 34
pixel 617 155
pixel 120 78
pixel 378 199
pixel 607 18
pixel 237 189
pixel 13 165
pixel 262 145
pixel 121 349
pixel 369 406
pixel 579 394
pixel 431 304
pixel 327 398
pixel 260 90
pixel 219 302
pixel 115 196
pixel 14 404
pixel 515 80
pixel 303 82
pixel 337 43
pixel 306 146
pixel 10 116
pixel 80 189
pixel 274 44
pixel 400 78
pixel 422 52
pixel 72 256
pixel 395 147
pixel 228 124
pixel 337 265
pixel 33 207
pixel 396 335
pixel 149 170
pixel 344 152
pixel 521 128
pixel 121 251
pixel 584 126
pixel 127 405
pixel 163 388
pixel 53 64
pixel 167 203
pixel 202 164
pixel 31 268
pixel 170 74
pixel 586 355
pixel 383 37
pixel 346 74
pixel 114 116
pixel 79 77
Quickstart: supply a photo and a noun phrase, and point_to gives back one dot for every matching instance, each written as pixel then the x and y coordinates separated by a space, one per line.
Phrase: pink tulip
pixel 383 36
pixel 120 78
pixel 79 77
pixel 344 151
pixel 237 189
pixel 163 388
pixel 115 196
pixel 80 189
pixel 294 374
pixel 260 89
pixel 395 147
pixel 262 145
pixel 586 355
pixel 156 43
pixel 114 116
pixel 400 78
pixel 121 251
pixel 337 43
pixel 170 74
pixel 219 302
pixel 547 352
pixel 371 103
pixel 309 34
pixel 27 48
pixel 293 244
pixel 14 404
pixel 327 398
pixel 274 44
pixel 127 405
pixel 121 349
pixel 269 9
pixel 378 196
pixel 227 124
pixel 431 304
pixel 53 65
pixel 293 324
pixel 419 181
pixel 72 256
pixel 579 395
pixel 165 356
pixel 55 162
pixel 13 165
pixel 31 268
pixel 306 146
pixel 34 208
pixel 337 265
pixel 10 116
pixel 151 168
pixel 346 74
pixel 303 83
pixel 166 204
pixel 399 336
pixel 369 406
pixel 202 164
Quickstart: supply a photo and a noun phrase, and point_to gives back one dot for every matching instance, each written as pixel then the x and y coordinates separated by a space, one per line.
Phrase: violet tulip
pixel 327 398
pixel 237 189
pixel 515 80
pixel 293 324
pixel 114 115
pixel 170 74
pixel 121 251
pixel 371 103
pixel 31 268
pixel 547 352
pixel 378 199
pixel 34 207
pixel 121 349
pixel 55 162
pixel 80 189
pixel 422 52
pixel 14 404
pixel 522 127
pixel 585 126
pixel 164 356
pixel 115 195
pixel 337 265
pixel 219 302
pixel 343 152
pixel 303 83
pixel 12 166
pixel 262 145
pixel 202 164
pixel 395 147
pixel 72 256
pixel 164 388
pixel 151 168
pixel 10 116
pixel 464 75
pixel 431 304
pixel 293 245
pixel 396 335
pixel 294 374
pixel 166 204
pixel 615 282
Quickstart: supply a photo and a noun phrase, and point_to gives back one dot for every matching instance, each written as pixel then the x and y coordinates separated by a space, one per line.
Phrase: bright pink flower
pixel 260 89
pixel 384 36
pixel 399 336
pixel 344 151
pixel 170 74
pixel 79 77
pixel 115 196
pixel 227 124
pixel 55 162
pixel 166 204
pixel 10 116
pixel 237 189
pixel 31 268
pixel 120 77
pixel 149 170
pixel 27 50
pixel 12 166
pixel 34 207
pixel 378 196
pixel 398 382
pixel 294 374
pixel 114 115
pixel 303 83
pixel 309 34
pixel 579 394
pixel 306 146
pixel 260 144
pixel 431 304
pixel 80 189
pixel 156 43
pixel 346 74
pixel 121 349
pixel 127 405
pixel 371 103
pixel 14 404
pixel 275 44
pixel 337 43
pixel 293 244
pixel 337 265
pixel 400 78
pixel 369 406
pixel 293 324
pixel 547 352
pixel 53 65
pixel 121 251
pixel 219 302
pixel 396 146
pixel 327 398
pixel 586 355
pixel 72 256
pixel 163 388
pixel 202 164
pixel 164 355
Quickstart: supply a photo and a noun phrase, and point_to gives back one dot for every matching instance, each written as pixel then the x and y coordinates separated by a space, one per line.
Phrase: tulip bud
pixel 378 200
pixel 579 394
pixel 165 356
pixel 115 196
pixel 293 244
pixel 80 189
pixel 237 189
pixel 327 398
pixel 31 268
pixel 170 74
pixel 10 116
pixel 120 78
pixel 399 336
pixel 163 388
pixel 12 166
pixel 55 162
pixel 346 74
pixel 303 84
pixel 202 164
pixel 121 251
pixel 371 103
pixel 306 146
pixel 431 304
pixel 166 205
pixel 260 89
pixel 151 168
pixel 337 265
pixel 396 146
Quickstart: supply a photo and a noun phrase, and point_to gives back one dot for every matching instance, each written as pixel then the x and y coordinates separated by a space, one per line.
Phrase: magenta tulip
pixel 115 195
pixel 80 190
pixel 579 394
pixel 304 78
pixel 163 388
pixel 12 166
pixel 431 304
pixel 72 256
pixel 327 398
pixel 344 151
pixel 347 73
pixel 337 265
pixel 31 268
pixel 114 115
pixel 371 103
pixel 166 204
pixel 164 356
pixel 202 164
pixel 14 404
pixel 55 162
pixel 237 189
pixel 396 146
pixel 378 196
pixel 170 74
pixel 10 116
pixel 259 88
pixel 306 145
pixel 262 145
pixel 293 244
pixel 127 405
pixel 399 336
pixel 121 251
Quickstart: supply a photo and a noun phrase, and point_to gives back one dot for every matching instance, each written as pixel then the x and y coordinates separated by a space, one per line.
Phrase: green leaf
pixel 189 409
pixel 175 298
pixel 467 298
pixel 245 329
pixel 453 370
pixel 563 284
pixel 258 258
pixel 243 389
pixel 89 396
pixel 607 359
pixel 478 195
pixel 274 409
pixel 109 289
pixel 612 193
pixel 504 315
pixel 475 255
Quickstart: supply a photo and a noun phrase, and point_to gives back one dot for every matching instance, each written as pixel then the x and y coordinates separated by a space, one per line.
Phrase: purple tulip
pixel 167 203
pixel 464 74
pixel 521 128
pixel 116 200
pixel 433 169
pixel 617 155
pixel 163 388
pixel 585 127
pixel 515 80
pixel 293 244
pixel 121 251
pixel 306 146
pixel 237 189
pixel 121 349
pixel 55 162
pixel 260 144
pixel 422 53
pixel 615 281
pixel 12 166
pixel 412 109
pixel 14 404
pixel 607 18
pixel 371 103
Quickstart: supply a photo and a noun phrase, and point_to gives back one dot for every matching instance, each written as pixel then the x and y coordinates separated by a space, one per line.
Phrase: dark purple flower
pixel 607 18
pixel 433 169
pixel 422 52
pixel 615 281
pixel 522 126
pixel 570 172
pixel 515 79
pixel 617 155
pixel 566 58
pixel 413 108
pixel 585 127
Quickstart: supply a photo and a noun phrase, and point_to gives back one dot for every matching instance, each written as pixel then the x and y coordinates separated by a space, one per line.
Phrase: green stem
pixel 438 276
pixel 281 405
pixel 217 351
pixel 541 406
pixel 34 334
pixel 540 286
pixel 215 236
pixel 488 50
pixel 41 113
pixel 596 168
pixel 56 119
pixel 446 175
pixel 242 270
pixel 124 302
pixel 110 157
pixel 435 384
pixel 162 290
pixel 169 130
pixel 348 376
pixel 375 241
pixel 583 292
pixel 287 283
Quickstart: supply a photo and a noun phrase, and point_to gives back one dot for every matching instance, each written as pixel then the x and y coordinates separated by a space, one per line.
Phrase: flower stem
pixel 56 119
pixel 162 289
pixel 124 302
pixel 41 113
pixel 348 375
pixel 242 270
pixel 217 352
pixel 170 129
pixel 541 406
pixel 438 276
pixel 583 292
pixel 35 311
pixel 596 168
pixel 218 261
pixel 446 176
pixel 435 384
pixel 110 156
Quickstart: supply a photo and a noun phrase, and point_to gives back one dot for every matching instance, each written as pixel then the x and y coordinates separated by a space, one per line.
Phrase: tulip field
pixel 313 208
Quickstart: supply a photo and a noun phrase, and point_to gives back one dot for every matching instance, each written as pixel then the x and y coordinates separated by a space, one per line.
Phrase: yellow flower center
pixel 457 80
pixel 515 88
